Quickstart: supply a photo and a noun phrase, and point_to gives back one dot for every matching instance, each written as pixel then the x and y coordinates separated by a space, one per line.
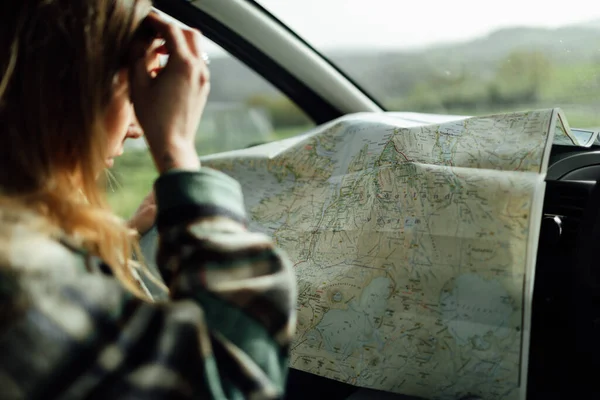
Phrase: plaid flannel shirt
pixel 69 330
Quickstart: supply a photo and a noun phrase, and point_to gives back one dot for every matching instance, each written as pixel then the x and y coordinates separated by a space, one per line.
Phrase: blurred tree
pixel 448 91
pixel 520 78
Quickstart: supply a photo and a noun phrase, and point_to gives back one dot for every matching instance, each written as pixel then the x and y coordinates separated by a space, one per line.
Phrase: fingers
pixel 156 60
pixel 151 199
pixel 194 39
pixel 175 41
pixel 162 49
pixel 150 211
pixel 149 65
pixel 143 220
pixel 179 42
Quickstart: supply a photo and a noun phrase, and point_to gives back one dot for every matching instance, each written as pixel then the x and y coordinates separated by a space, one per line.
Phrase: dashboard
pixel 564 352
pixel 572 164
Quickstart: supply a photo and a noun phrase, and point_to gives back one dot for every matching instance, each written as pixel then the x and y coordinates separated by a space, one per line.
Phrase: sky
pixel 401 24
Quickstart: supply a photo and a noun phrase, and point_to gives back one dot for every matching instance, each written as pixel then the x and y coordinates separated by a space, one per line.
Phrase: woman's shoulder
pixel 30 244
pixel 34 259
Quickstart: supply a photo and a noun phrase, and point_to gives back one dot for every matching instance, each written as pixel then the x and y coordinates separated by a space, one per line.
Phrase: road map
pixel 413 239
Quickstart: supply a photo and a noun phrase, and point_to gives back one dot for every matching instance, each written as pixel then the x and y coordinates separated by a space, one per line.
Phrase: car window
pixel 460 57
pixel 243 110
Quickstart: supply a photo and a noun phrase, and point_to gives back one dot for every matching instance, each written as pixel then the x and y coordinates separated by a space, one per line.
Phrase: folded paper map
pixel 413 238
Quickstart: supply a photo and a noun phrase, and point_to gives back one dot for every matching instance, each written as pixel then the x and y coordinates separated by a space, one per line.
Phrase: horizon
pixel 217 52
pixel 386 28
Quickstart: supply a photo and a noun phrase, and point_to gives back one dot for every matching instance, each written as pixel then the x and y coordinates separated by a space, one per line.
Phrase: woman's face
pixel 121 122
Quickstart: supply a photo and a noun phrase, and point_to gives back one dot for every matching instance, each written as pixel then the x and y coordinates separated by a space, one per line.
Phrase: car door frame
pixel 263 43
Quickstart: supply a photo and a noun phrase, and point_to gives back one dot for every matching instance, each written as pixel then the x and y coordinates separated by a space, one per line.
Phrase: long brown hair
pixel 58 61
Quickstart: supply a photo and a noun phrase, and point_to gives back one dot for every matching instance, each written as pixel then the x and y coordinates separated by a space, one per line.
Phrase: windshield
pixel 460 57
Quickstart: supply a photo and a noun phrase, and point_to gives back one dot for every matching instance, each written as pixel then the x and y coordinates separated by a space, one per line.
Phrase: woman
pixel 75 322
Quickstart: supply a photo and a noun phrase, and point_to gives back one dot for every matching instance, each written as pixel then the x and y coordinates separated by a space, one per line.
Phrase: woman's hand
pixel 169 106
pixel 144 217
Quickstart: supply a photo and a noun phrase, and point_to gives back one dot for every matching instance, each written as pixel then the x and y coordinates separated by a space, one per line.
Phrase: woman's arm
pixel 225 334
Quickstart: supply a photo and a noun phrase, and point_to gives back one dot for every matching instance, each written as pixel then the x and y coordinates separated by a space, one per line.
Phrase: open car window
pixel 460 57
pixel 243 110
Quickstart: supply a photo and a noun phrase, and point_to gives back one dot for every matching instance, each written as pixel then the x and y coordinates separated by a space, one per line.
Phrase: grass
pixel 579 83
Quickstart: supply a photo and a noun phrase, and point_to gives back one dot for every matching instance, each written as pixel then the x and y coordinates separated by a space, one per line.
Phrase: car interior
pixel 564 351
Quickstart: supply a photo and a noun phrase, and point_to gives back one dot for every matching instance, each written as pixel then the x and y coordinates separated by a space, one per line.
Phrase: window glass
pixel 462 57
pixel 243 110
